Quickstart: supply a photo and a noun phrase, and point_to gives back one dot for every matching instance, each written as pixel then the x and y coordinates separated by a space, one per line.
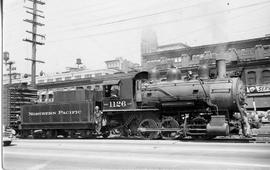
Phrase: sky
pixel 100 30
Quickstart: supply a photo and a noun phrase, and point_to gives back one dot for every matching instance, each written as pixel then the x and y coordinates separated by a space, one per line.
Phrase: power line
pixel 158 13
pixel 258 27
pixel 162 12
pixel 142 16
pixel 80 11
pixel 111 16
pixel 209 25
pixel 12 11
pixel 11 6
pixel 106 17
pixel 121 14
pixel 85 6
pixel 170 21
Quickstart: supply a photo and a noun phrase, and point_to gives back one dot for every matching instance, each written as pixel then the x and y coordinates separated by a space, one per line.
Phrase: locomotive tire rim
pixel 148 123
pixel 169 123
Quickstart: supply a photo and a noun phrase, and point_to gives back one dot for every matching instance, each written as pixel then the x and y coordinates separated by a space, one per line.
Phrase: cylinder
pixel 221 68
pixel 217 126
pixel 221 130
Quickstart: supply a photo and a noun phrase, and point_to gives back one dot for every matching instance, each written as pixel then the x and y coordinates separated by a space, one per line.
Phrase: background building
pixel 252 49
pixel 149 41
pixel 149 45
pixel 122 65
pixel 71 74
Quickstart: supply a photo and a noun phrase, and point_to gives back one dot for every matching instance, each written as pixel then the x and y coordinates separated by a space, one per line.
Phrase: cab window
pixel 111 90
pixel 107 90
pixel 115 91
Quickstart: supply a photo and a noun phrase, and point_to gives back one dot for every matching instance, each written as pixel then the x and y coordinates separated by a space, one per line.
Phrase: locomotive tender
pixel 148 105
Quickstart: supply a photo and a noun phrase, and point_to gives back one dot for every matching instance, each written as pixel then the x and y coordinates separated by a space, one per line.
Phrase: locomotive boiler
pixel 219 94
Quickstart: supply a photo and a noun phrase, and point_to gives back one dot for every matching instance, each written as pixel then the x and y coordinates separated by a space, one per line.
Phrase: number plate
pixel 117 104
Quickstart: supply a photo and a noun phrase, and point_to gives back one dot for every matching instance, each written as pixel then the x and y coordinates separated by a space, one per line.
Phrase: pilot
pixel 98 119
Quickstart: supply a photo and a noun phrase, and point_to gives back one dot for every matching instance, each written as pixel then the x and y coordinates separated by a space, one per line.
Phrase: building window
pixel 43 98
pixel 58 79
pixel 88 75
pixel 266 76
pixel 67 78
pixel 50 97
pixel 98 74
pixel 72 88
pixel 79 87
pixel 38 98
pixel 49 80
pixel 97 87
pixel 251 78
pixel 177 59
pixel 40 81
pixel 78 76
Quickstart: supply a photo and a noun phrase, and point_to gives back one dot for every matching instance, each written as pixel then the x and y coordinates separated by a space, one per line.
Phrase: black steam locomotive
pixel 148 105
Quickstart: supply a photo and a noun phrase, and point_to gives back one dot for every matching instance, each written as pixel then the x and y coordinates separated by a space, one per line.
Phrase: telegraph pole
pixel 10 66
pixel 35 13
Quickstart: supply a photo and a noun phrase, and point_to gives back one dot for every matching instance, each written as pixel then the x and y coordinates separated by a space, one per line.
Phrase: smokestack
pixel 221 68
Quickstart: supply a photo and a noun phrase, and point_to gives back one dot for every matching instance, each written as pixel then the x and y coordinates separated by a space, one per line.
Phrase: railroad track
pixel 257 139
pixel 262 138
pixel 261 135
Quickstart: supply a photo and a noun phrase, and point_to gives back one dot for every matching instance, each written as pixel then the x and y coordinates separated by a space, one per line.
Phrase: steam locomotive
pixel 148 105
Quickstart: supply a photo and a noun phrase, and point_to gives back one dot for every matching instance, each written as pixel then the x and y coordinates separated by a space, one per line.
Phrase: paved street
pixel 133 154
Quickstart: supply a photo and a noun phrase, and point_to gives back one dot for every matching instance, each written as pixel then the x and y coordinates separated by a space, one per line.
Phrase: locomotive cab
pixel 124 94
pixel 118 95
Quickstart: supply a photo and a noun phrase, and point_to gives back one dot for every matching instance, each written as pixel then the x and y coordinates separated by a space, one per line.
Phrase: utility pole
pixel 35 13
pixel 10 66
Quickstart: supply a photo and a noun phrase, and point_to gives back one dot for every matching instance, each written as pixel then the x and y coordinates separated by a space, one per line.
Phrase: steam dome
pixel 154 74
pixel 203 71
pixel 173 74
